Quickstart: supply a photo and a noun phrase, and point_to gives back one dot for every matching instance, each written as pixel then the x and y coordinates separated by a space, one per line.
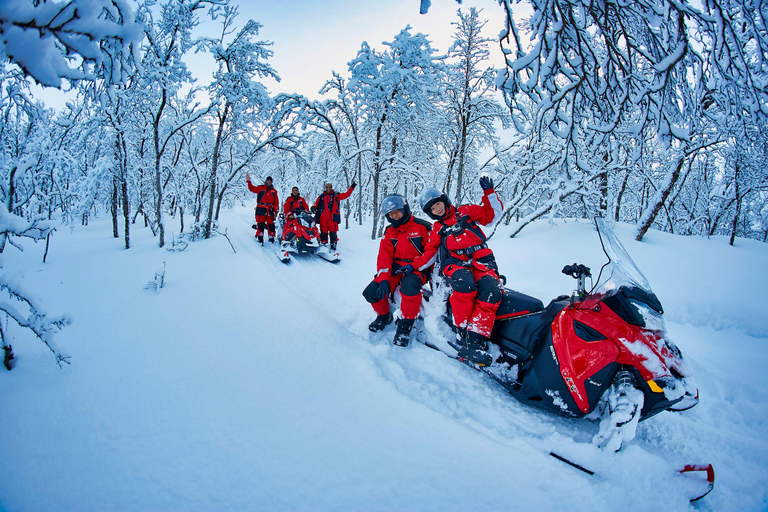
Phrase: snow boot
pixel 380 322
pixel 473 348
pixel 271 239
pixel 403 333
pixel 260 239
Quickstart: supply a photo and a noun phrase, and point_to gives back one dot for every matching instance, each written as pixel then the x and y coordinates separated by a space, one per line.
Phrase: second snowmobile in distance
pixel 300 236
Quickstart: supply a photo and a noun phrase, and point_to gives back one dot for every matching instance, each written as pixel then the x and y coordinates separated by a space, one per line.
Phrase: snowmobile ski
pixel 283 255
pixel 327 255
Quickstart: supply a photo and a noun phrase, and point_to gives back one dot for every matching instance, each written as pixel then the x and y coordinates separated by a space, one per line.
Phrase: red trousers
pixel 265 223
pixel 410 295
pixel 476 297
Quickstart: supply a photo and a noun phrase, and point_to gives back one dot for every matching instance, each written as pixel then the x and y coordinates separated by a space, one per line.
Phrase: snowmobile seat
pixel 517 304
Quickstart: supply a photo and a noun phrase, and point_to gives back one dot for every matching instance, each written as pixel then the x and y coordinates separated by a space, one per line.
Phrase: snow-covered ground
pixel 246 384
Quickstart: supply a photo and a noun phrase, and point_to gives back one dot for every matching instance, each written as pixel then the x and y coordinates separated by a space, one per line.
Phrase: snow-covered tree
pixel 397 91
pixel 71 40
pixel 471 107
pixel 247 118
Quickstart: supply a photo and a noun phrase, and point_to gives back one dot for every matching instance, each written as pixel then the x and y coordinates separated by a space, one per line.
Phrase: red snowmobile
pixel 300 236
pixel 603 354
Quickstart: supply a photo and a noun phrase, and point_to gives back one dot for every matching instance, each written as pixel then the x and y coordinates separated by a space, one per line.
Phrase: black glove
pixel 313 209
pixel 354 184
pixel 405 270
pixel 382 291
pixel 486 183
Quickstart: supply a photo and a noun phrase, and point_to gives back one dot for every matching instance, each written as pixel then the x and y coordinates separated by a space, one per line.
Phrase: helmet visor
pixel 392 203
pixel 428 197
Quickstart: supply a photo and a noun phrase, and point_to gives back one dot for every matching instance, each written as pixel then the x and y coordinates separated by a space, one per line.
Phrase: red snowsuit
pixel 291 205
pixel 467 262
pixel 294 203
pixel 267 206
pixel 327 213
pixel 401 246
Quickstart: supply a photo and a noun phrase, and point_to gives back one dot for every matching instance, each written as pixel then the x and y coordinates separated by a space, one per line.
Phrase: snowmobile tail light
pixel 654 387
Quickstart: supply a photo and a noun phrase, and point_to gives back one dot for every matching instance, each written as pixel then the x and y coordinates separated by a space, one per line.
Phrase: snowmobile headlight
pixel 652 318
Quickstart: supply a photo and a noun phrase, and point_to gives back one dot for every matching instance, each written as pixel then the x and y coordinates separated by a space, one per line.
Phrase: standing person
pixel 327 213
pixel 292 206
pixel 267 206
pixel 403 242
pixel 468 264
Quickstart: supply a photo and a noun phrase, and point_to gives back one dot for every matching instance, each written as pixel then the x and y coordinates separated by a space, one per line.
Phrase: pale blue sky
pixel 312 38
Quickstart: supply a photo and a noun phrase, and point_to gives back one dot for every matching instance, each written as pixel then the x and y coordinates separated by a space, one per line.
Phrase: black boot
pixel 403 333
pixel 271 239
pixel 380 322
pixel 474 348
pixel 260 238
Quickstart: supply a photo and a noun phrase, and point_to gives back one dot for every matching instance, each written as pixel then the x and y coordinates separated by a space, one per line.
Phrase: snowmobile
pixel 300 235
pixel 602 354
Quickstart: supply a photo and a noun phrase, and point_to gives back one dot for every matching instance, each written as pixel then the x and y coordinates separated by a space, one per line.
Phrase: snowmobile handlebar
pixel 577 270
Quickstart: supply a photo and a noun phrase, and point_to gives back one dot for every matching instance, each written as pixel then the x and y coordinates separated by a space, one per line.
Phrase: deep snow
pixel 246 384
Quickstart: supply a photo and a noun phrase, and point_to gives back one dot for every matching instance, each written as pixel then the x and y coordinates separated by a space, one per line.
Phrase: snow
pixel 247 384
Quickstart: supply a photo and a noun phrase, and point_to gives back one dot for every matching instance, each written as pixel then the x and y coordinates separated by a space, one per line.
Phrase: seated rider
pixel 468 264
pixel 293 205
pixel 403 242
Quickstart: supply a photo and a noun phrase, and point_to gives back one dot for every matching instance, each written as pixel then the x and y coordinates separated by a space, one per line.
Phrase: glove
pixel 405 270
pixel 313 209
pixel 486 183
pixel 382 291
pixel 354 184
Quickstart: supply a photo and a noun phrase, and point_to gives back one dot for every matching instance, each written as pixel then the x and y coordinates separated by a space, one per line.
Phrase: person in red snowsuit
pixel 402 243
pixel 267 206
pixel 468 264
pixel 293 205
pixel 327 214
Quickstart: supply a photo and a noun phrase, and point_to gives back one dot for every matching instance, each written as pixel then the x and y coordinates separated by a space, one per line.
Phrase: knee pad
pixel 410 285
pixel 370 292
pixel 489 289
pixel 463 281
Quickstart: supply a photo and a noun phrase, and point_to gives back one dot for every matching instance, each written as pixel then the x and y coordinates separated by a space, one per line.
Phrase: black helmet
pixel 396 202
pixel 429 197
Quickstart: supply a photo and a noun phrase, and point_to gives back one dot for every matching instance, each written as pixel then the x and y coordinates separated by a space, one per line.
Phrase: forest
pixel 650 113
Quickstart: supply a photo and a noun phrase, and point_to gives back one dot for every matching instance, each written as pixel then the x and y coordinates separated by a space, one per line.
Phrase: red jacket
pixel 294 203
pixel 327 204
pixel 465 244
pixel 401 246
pixel 267 202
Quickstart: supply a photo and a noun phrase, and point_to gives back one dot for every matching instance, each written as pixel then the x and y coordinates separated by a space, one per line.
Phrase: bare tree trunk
pixel 158 182
pixel 648 218
pixel 113 208
pixel 617 212
pixel 738 206
pixel 214 169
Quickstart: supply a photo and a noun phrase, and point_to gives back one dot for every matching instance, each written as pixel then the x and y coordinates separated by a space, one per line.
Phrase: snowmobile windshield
pixel 392 203
pixel 306 219
pixel 620 273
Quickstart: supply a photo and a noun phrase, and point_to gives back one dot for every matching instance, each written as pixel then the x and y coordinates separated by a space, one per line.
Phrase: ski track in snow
pixel 727 428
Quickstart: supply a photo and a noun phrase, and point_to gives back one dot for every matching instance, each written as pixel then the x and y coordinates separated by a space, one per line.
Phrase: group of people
pixel 410 251
pixel 454 247
pixel 326 210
